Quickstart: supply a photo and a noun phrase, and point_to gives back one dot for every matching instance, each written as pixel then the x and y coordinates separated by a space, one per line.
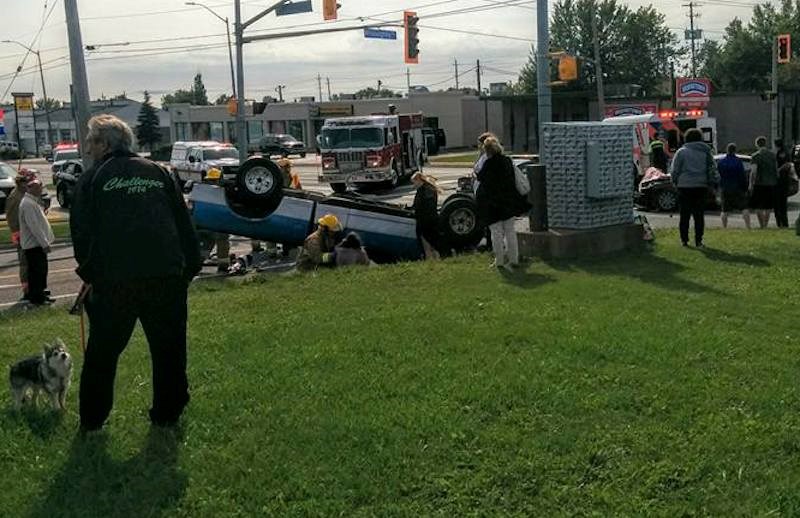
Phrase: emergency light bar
pixel 681 114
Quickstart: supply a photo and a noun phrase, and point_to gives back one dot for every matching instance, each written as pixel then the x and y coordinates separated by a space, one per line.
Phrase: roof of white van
pixel 631 119
pixel 198 143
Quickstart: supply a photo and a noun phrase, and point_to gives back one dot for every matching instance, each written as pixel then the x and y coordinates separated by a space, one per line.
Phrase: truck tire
pixel 339 188
pixel 260 179
pixel 395 181
pixel 458 220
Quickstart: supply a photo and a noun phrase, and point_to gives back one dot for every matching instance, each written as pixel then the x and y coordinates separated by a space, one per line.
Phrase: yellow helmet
pixel 330 221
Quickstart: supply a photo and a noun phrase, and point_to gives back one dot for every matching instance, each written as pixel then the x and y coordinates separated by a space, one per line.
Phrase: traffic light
pixel 410 20
pixel 330 9
pixel 784 48
pixel 567 68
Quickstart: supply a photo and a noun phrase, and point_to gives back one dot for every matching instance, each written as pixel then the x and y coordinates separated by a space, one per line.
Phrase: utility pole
pixel 328 80
pixel 279 89
pixel 230 46
pixel 238 30
pixel 545 101
pixel 480 94
pixel 80 84
pixel 692 16
pixel 408 79
pixel 455 63
pixel 380 85
pixel 774 96
pixel 319 84
pixel 598 68
pixel 44 89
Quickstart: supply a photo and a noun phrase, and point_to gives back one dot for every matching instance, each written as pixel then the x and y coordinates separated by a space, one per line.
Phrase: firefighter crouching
pixel 318 248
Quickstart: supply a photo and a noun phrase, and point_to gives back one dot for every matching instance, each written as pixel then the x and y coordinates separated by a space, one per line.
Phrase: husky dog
pixel 50 373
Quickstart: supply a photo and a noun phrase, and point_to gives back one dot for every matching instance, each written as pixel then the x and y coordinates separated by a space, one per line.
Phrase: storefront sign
pixel 692 93
pixel 335 110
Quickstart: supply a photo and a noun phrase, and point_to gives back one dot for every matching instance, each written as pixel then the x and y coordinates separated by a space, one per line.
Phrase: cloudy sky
pixel 159 45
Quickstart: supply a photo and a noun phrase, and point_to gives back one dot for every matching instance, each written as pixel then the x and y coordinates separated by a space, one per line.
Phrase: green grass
pixel 660 383
pixel 463 158
pixel 60 230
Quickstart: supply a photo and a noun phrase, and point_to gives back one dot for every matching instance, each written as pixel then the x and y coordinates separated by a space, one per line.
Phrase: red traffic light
pixel 784 48
pixel 411 47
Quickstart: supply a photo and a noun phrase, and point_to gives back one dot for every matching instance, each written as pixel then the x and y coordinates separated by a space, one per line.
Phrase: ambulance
pixel 668 126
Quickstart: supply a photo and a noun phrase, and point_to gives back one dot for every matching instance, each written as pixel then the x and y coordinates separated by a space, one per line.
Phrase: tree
pixel 48 104
pixel 635 46
pixel 148 132
pixel 222 100
pixel 195 95
pixel 373 93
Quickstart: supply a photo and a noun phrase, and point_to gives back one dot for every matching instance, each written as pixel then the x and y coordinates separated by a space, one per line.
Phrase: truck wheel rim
pixel 462 221
pixel 259 180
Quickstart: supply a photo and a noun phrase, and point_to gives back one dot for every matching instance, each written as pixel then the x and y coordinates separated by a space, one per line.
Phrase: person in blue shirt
pixel 734 186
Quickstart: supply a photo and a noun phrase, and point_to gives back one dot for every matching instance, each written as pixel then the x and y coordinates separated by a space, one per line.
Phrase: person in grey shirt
pixel 693 172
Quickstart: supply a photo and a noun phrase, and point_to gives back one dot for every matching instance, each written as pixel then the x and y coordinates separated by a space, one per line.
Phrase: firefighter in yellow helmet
pixel 318 248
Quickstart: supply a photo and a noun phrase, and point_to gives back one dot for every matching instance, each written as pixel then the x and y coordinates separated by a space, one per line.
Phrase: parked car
pixel 7 174
pixel 255 204
pixel 65 180
pixel 283 145
pixel 192 160
pixel 61 155
pixel 657 192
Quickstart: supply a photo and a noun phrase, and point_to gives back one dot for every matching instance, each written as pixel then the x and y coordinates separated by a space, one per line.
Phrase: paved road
pixel 64 283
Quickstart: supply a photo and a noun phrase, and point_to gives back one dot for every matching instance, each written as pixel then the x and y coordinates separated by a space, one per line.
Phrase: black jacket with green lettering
pixel 129 222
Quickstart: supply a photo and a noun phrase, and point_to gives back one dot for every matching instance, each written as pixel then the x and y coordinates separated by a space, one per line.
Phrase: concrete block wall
pixel 571 204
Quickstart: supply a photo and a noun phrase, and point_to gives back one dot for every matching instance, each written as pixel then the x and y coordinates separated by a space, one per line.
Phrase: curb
pixel 5 247
pixel 454 165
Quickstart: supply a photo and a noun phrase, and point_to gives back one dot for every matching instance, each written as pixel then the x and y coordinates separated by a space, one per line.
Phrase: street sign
pixel 297 7
pixel 697 34
pixel 380 34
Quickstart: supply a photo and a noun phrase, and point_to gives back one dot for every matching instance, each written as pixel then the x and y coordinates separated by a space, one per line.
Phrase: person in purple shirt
pixel 734 185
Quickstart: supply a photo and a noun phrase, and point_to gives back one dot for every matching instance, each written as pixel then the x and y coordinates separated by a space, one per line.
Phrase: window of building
pixel 217 131
pixel 297 130
pixel 201 131
pixel 255 130
pixel 181 131
pixel 277 127
pixel 232 132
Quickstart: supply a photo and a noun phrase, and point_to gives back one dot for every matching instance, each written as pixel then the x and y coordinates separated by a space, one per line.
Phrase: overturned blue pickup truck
pixel 251 201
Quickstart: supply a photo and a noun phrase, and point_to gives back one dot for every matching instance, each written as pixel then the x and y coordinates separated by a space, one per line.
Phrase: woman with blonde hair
pixel 499 203
pixel 426 213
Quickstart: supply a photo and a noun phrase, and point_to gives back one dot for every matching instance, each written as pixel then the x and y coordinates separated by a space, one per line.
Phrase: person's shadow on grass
pixel 716 254
pixel 524 278
pixel 91 483
pixel 43 423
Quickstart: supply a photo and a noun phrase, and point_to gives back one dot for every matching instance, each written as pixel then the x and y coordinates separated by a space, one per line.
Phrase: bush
pixel 162 154
pixel 9 154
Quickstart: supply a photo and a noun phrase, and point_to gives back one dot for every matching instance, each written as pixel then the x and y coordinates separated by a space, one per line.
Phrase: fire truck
pixel 369 150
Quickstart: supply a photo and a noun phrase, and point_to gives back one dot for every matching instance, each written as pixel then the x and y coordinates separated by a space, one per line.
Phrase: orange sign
pixel 233 106
pixel 568 68
pixel 329 9
pixel 23 103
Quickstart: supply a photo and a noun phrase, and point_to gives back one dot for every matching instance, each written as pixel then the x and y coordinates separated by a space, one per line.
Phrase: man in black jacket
pixel 125 208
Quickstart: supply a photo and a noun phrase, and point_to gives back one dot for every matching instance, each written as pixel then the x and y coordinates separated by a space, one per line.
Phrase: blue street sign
pixel 298 7
pixel 380 34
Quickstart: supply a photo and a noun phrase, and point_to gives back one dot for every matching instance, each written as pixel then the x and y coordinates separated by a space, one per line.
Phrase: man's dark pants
pixel 692 203
pixel 781 208
pixel 113 308
pixel 37 274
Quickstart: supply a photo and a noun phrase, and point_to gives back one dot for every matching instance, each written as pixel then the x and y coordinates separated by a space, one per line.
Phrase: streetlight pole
pixel 545 100
pixel 230 45
pixel 44 90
